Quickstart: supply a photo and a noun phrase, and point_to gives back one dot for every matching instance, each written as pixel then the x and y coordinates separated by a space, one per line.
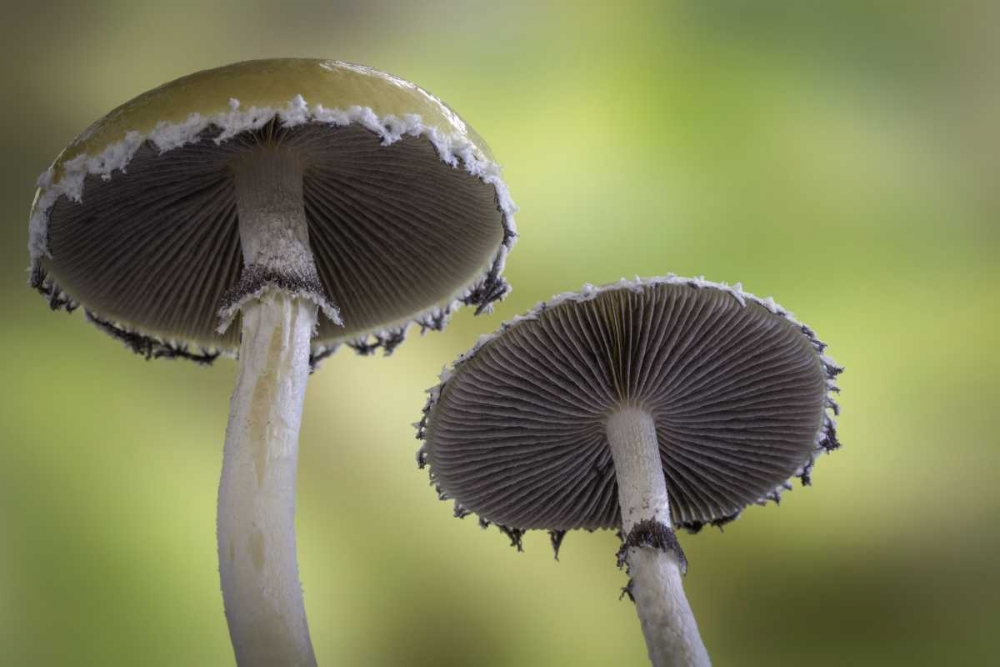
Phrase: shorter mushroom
pixel 641 406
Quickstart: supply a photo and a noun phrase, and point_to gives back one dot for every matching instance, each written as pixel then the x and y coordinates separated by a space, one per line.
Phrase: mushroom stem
pixel 274 232
pixel 256 520
pixel 668 624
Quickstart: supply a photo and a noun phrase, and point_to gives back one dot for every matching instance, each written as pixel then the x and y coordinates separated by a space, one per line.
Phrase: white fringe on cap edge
pixel 454 150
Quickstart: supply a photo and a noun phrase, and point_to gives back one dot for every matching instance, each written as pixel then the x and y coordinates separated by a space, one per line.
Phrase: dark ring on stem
pixel 256 277
pixel 654 535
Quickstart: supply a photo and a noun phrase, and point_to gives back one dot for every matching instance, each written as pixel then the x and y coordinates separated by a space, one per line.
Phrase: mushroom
pixel 268 192
pixel 641 406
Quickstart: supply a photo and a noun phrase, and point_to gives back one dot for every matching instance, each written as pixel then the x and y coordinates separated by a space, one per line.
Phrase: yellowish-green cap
pixel 271 84
pixel 408 215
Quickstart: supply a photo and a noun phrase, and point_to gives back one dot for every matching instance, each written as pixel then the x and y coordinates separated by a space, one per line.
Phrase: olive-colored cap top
pixel 271 84
pixel 407 214
pixel 738 390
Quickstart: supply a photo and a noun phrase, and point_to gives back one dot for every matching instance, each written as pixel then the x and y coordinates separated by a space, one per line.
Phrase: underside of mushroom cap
pixel 739 392
pixel 408 217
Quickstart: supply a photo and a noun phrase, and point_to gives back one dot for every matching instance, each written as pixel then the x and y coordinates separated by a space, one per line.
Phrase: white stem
pixel 274 232
pixel 256 516
pixel 668 624
pixel 256 521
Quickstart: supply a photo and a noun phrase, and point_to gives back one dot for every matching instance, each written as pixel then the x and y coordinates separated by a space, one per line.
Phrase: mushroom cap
pixel 737 388
pixel 407 214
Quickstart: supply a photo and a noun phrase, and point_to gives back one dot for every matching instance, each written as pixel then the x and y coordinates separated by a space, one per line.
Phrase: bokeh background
pixel 842 157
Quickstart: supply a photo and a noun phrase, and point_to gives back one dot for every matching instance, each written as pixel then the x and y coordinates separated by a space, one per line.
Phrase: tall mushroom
pixel 268 192
pixel 641 406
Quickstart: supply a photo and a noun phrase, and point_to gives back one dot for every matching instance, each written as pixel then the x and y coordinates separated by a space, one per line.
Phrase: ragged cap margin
pixel 826 435
pixel 454 150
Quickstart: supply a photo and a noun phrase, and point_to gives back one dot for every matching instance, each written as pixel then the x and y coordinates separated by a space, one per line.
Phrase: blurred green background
pixel 842 157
